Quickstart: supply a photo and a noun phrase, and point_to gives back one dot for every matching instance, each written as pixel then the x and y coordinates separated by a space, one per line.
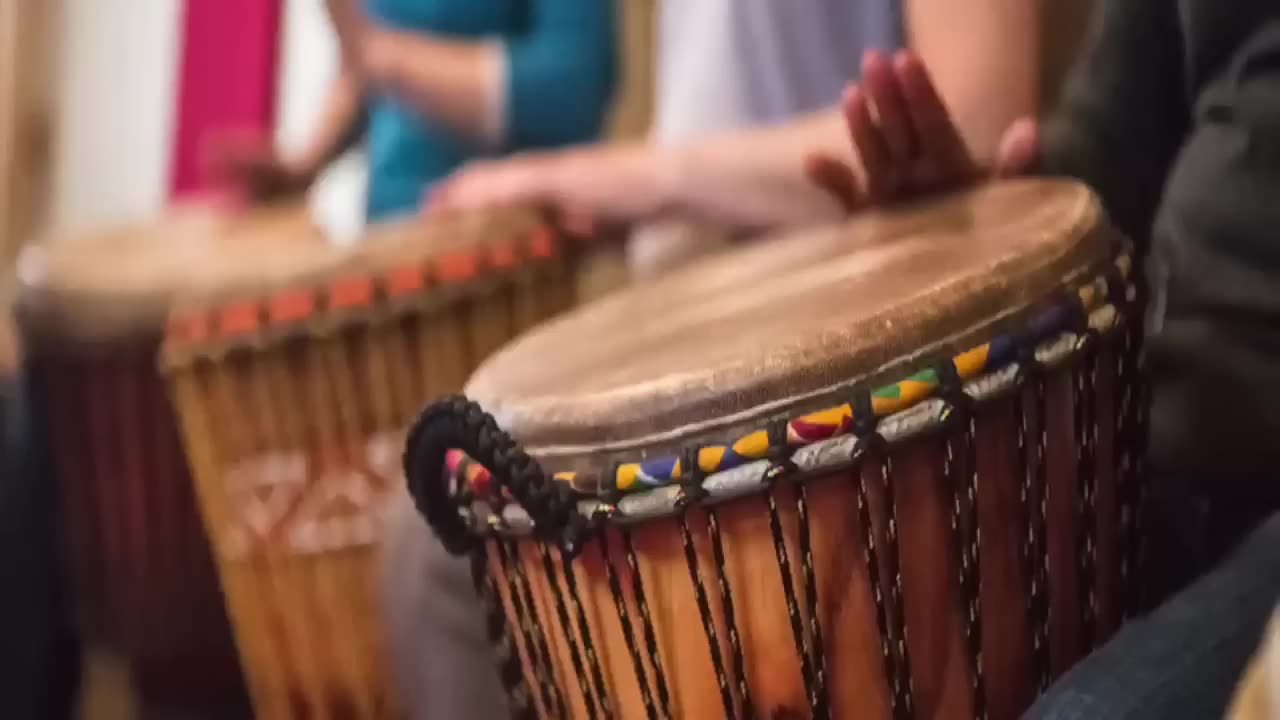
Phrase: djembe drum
pixel 876 470
pixel 92 311
pixel 294 405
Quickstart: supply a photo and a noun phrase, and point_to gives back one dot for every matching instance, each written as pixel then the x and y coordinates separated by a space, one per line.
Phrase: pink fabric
pixel 227 78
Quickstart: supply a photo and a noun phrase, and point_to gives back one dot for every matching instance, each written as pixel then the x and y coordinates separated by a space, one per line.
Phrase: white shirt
pixel 728 63
pixel 723 64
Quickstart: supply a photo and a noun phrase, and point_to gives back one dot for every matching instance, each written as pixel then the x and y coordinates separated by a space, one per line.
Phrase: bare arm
pixel 257 170
pixel 753 177
pixel 984 63
pixel 984 58
pixel 454 82
pixel 340 121
pixel 760 177
pixel 339 125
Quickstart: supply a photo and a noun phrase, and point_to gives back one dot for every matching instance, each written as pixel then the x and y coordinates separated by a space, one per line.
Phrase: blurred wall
pixel 115 97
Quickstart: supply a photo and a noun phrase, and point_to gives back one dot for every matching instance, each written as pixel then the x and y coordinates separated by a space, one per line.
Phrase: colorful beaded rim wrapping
pixel 210 331
pixel 635 491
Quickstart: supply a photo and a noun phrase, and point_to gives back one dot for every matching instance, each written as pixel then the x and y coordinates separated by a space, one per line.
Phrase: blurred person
pixel 431 84
pixel 1173 116
pixel 745 90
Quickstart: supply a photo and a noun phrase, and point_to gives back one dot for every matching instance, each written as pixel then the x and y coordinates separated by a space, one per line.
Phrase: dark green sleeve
pixel 1123 111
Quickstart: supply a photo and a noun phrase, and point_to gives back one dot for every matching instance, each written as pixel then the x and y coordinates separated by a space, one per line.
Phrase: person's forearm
pixel 753 177
pixel 339 125
pixel 985 62
pixel 340 121
pixel 757 177
pixel 457 83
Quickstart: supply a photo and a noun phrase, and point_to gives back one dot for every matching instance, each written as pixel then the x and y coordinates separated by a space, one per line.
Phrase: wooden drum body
pixel 294 404
pixel 92 310
pixel 880 470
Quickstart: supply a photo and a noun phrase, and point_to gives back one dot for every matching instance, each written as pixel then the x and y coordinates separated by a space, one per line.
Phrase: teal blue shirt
pixel 559 70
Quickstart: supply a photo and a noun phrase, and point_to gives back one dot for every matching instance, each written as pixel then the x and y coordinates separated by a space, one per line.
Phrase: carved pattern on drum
pixel 266 489
pixel 311 506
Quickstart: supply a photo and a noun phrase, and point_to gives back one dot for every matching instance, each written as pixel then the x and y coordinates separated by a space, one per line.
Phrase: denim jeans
pixel 1184 659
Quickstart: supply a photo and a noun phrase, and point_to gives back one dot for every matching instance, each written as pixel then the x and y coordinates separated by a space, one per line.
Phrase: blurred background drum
pixel 91 308
pixel 877 470
pixel 293 405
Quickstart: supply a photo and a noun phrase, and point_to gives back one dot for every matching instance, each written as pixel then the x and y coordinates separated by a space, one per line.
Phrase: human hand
pixel 248 167
pixel 906 139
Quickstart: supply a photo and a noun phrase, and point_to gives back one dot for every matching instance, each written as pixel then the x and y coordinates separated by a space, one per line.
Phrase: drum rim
pixel 208 331
pixel 58 304
pixel 615 491
pixel 607 420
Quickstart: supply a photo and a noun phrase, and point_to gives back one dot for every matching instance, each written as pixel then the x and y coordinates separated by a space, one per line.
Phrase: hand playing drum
pixel 906 140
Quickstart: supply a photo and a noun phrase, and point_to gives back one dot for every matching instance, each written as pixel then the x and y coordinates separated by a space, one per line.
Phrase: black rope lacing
pixel 1033 500
pixel 960 469
pixel 458 423
pixel 869 444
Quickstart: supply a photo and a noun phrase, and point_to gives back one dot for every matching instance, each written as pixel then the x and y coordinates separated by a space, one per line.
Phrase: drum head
pixel 792 323
pixel 120 283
